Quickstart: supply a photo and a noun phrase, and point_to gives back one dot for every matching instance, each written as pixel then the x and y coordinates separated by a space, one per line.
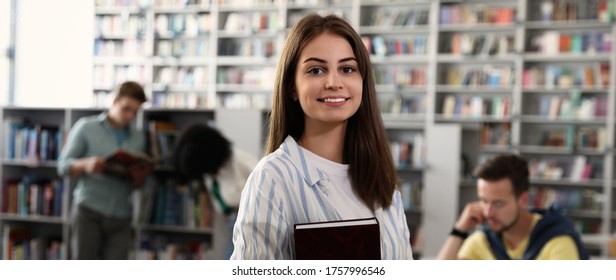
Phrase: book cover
pixel 118 163
pixel 342 240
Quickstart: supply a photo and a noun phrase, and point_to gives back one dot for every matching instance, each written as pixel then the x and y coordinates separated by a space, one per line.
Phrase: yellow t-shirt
pixel 476 247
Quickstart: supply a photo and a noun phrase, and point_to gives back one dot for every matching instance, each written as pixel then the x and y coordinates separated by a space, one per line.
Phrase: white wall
pixel 53 59
pixel 5 23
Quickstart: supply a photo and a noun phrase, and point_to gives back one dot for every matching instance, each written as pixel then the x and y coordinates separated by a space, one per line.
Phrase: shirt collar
pixel 104 120
pixel 311 174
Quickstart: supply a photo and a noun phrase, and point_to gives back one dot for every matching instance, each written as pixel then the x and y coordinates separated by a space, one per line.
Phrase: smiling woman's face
pixel 327 82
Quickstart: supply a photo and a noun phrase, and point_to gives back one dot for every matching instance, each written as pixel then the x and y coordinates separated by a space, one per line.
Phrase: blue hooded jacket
pixel 552 224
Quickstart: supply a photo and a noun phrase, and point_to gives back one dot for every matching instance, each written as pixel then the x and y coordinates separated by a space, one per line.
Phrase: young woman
pixel 328 156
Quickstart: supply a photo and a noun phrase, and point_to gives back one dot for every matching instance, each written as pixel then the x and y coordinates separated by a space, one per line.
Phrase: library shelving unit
pixel 29 174
pixel 527 77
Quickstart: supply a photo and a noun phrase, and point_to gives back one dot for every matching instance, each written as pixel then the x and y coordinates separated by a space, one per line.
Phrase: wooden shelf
pixel 175 229
pixel 245 61
pixel 248 8
pixel 496 149
pixel 30 163
pixel 477 27
pixel 115 60
pixel 188 9
pixel 474 89
pixel 394 30
pixel 560 90
pixel 470 119
pixel 406 90
pixel 582 57
pixel 403 121
pixel 179 88
pixel 534 149
pixel 578 24
pixel 399 59
pixel 583 214
pixel 560 120
pixel 117 10
pixel 476 59
pixel 246 35
pixel 31 219
pixel 181 61
pixel 243 88
pixel 591 183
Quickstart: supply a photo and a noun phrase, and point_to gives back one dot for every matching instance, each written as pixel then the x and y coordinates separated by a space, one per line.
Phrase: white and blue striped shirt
pixel 286 189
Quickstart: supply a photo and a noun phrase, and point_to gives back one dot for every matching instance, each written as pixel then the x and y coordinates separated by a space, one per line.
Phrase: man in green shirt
pixel 101 220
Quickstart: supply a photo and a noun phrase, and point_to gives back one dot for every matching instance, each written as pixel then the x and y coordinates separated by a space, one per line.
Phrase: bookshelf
pixel 507 51
pixel 39 223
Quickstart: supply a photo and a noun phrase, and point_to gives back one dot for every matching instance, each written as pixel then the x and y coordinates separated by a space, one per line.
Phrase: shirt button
pixel 324 182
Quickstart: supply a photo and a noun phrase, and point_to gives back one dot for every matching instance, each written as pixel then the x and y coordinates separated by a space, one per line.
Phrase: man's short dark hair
pixel 201 150
pixel 133 90
pixel 512 167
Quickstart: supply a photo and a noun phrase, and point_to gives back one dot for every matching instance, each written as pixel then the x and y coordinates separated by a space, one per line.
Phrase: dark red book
pixel 338 240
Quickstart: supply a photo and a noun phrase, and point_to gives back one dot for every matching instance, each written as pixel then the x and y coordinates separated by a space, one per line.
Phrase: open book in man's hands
pixel 128 165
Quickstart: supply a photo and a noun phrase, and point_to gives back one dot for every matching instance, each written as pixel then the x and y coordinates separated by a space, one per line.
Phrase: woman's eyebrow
pixel 325 61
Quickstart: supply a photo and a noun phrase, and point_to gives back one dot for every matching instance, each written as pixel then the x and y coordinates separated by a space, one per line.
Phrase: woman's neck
pixel 326 141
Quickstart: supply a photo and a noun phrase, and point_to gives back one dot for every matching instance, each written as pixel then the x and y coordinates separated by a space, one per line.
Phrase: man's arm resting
pixel 450 249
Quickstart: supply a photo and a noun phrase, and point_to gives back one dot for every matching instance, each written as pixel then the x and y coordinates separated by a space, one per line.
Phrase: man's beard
pixel 512 224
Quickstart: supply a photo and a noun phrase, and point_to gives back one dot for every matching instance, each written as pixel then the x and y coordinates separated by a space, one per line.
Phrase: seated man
pixel 510 230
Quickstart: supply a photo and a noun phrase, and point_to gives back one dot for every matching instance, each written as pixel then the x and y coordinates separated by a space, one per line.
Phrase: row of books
pixel 397 17
pixel 183 24
pixel 102 99
pixel 182 48
pixel 190 100
pixel 568 137
pixel 33 196
pixel 169 203
pixel 573 107
pixel 587 227
pixel 475 106
pixel 473 14
pixel 412 45
pixel 495 134
pixel 107 76
pixel 128 47
pixel 162 139
pixel 246 76
pixel 247 3
pixel 401 75
pixel 550 76
pixel 183 75
pixel 564 10
pixel 116 3
pixel 409 153
pixel 21 244
pixel 181 3
pixel 32 141
pixel 402 105
pixel 554 42
pixel 115 25
pixel 488 75
pixel 244 100
pixel 568 200
pixel 575 169
pixel 479 44
pixel 252 22
pixel 411 195
pixel 162 247
pixel 254 47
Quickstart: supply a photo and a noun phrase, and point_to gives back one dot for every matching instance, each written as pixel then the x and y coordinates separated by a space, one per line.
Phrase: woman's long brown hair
pixel 366 146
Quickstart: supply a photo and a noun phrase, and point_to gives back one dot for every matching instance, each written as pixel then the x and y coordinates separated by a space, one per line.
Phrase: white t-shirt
pixel 339 189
